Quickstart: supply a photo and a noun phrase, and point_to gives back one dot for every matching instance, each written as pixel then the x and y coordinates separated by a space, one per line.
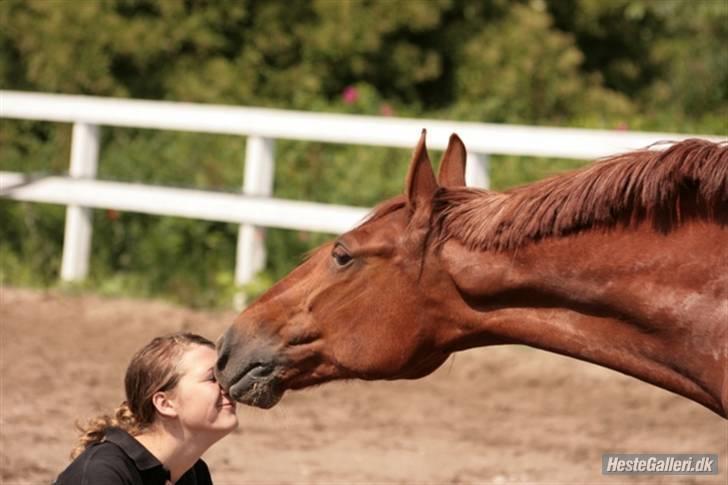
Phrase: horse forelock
pixel 634 186
pixel 383 209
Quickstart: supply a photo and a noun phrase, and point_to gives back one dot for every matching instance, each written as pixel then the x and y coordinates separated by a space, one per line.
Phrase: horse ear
pixel 452 165
pixel 421 184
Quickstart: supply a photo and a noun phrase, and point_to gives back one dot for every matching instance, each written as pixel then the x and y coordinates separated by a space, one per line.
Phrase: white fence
pixel 254 208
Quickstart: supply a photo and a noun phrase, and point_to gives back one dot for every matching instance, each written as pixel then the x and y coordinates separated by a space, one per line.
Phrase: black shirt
pixel 121 460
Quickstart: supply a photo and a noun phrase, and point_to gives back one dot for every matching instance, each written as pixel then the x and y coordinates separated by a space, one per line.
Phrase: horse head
pixel 367 305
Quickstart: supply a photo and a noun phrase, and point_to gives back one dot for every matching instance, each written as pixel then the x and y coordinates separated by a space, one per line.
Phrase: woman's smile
pixel 229 404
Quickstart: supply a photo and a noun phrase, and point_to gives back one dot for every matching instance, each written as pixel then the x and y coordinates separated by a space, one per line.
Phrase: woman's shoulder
pixel 100 463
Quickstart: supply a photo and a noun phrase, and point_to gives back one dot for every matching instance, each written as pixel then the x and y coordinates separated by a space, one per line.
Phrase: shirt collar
pixel 141 457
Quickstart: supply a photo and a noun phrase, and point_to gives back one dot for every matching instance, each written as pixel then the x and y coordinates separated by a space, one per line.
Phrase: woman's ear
pixel 164 405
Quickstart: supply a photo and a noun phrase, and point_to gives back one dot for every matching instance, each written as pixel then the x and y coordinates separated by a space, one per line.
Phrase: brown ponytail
pixel 153 369
pixel 94 429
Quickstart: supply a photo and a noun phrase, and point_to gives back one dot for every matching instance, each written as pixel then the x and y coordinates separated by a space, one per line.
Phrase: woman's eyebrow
pixel 205 372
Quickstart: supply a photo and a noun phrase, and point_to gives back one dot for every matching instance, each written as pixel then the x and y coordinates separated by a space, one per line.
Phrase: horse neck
pixel 651 306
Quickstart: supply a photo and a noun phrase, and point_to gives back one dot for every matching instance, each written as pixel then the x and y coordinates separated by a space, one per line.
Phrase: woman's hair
pixel 155 368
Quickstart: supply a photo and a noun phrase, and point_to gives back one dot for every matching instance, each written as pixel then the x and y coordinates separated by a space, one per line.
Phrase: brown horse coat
pixel 623 264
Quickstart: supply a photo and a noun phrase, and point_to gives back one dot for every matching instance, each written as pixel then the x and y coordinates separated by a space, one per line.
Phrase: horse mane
pixel 688 179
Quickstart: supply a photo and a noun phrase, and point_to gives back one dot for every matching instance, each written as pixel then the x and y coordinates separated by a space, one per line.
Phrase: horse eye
pixel 341 257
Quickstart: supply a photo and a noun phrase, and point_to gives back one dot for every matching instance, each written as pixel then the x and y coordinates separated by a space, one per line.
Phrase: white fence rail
pixel 254 209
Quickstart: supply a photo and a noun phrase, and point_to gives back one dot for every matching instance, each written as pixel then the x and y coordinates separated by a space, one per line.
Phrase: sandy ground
pixel 498 415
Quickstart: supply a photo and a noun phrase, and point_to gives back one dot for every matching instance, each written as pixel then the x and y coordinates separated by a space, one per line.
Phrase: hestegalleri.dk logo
pixel 660 464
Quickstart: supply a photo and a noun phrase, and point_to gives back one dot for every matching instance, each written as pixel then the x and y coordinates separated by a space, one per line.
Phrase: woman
pixel 174 411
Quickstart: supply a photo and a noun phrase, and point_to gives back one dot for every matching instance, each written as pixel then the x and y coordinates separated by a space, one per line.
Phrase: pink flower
pixel 622 126
pixel 350 95
pixel 386 110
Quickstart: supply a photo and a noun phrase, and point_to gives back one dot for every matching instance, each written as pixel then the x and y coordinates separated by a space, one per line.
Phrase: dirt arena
pixel 498 415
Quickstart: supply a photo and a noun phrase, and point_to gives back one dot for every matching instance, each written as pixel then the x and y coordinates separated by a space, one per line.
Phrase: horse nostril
pixel 223 354
pixel 222 361
pixel 224 347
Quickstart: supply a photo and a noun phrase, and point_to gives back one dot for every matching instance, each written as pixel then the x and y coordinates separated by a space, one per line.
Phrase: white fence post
pixel 476 171
pixel 258 180
pixel 77 236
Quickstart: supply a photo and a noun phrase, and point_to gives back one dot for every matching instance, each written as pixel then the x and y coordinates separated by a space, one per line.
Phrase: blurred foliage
pixel 618 64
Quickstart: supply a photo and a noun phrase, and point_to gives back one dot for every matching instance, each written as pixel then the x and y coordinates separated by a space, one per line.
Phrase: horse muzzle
pixel 247 370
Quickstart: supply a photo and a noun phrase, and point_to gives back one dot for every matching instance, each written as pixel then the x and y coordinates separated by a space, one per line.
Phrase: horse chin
pixel 262 393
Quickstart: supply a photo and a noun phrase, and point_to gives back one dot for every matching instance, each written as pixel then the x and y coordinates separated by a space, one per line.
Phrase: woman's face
pixel 202 406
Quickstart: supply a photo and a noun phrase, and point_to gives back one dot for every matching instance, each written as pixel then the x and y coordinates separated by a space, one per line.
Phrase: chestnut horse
pixel 623 264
